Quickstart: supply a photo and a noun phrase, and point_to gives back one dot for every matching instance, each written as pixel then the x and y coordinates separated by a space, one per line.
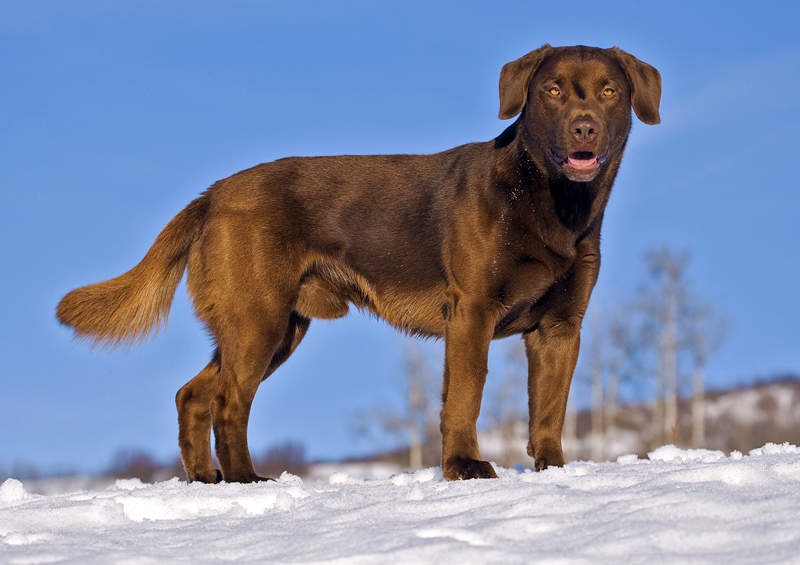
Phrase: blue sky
pixel 116 114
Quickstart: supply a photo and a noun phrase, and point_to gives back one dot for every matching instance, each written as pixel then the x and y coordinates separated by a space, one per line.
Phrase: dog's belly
pixel 327 289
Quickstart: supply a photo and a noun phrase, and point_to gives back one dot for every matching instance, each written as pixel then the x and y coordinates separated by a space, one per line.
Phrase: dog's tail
pixel 130 306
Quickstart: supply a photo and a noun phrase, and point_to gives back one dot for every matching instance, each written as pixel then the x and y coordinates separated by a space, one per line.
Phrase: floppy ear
pixel 514 79
pixel 645 84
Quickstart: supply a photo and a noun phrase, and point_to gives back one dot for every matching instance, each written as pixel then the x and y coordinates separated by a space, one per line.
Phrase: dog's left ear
pixel 514 79
pixel 645 83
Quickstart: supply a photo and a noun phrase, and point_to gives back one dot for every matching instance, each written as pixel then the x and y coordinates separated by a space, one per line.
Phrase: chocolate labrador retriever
pixel 478 242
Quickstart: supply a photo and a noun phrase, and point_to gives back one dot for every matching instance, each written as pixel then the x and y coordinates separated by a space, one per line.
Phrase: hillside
pixel 736 419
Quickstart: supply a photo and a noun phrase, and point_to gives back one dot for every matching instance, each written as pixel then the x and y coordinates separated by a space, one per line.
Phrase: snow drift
pixel 677 506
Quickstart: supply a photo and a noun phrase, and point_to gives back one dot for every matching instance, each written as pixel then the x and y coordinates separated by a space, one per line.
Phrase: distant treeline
pixel 740 418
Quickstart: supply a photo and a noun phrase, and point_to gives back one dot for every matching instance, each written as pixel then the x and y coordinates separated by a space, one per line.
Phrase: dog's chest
pixel 529 277
pixel 524 282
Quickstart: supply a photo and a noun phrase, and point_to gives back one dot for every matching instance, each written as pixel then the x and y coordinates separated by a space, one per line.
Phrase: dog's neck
pixel 522 163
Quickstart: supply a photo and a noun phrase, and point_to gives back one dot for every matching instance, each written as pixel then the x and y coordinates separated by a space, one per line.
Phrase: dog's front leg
pixel 467 337
pixel 552 354
pixel 552 350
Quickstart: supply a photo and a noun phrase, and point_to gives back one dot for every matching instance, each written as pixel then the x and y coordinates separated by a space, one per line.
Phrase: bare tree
pixel 679 328
pixel 417 420
pixel 660 305
pixel 612 353
pixel 421 409
pixel 667 268
pixel 622 361
pixel 704 334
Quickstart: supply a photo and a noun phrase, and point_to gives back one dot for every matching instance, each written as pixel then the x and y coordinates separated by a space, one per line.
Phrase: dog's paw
pixel 553 460
pixel 209 476
pixel 456 468
pixel 547 455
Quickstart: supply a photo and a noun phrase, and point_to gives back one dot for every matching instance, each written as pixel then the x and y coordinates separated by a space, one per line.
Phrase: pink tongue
pixel 583 164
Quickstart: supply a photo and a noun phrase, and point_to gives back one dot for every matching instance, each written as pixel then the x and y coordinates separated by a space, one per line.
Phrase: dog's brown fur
pixel 478 242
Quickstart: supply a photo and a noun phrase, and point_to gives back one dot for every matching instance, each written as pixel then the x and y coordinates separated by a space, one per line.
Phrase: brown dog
pixel 478 242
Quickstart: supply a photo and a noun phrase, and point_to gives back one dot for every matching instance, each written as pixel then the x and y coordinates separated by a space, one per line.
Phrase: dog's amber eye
pixel 553 91
pixel 608 92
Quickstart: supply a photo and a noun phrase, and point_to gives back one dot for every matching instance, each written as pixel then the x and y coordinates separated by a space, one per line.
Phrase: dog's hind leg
pixel 253 332
pixel 194 423
pixel 194 405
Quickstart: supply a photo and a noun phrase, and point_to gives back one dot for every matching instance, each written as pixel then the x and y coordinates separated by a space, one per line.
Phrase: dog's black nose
pixel 584 130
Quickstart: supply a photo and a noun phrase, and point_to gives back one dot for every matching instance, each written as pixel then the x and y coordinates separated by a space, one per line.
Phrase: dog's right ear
pixel 514 80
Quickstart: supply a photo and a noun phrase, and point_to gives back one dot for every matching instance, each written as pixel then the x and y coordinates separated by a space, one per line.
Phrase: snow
pixel 777 403
pixel 323 471
pixel 676 506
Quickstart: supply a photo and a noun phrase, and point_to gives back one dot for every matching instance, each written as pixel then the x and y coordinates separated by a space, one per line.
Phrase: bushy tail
pixel 130 306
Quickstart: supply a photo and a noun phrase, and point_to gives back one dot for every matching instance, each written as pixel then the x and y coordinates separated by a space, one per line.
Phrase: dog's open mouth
pixel 583 161
pixel 580 165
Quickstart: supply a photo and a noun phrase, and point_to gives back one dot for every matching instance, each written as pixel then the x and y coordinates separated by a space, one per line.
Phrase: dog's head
pixel 576 104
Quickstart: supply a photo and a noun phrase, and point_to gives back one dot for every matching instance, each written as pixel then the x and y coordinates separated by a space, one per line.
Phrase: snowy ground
pixel 677 506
